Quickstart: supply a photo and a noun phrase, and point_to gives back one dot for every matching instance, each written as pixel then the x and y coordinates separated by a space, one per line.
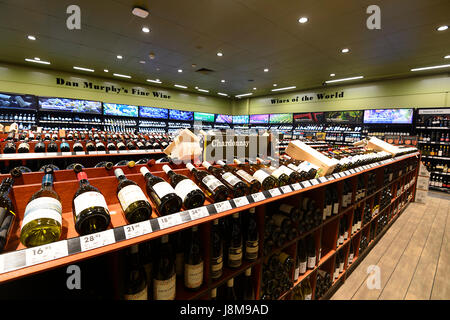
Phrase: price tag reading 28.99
pixel 97 240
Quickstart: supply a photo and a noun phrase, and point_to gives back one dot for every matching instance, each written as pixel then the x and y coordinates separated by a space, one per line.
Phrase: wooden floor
pixel 413 257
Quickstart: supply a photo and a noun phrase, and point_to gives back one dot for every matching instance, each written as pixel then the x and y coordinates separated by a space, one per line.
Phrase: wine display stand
pixel 17 261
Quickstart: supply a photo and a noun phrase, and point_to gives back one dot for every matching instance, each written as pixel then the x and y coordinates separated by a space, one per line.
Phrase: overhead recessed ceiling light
pixel 303 20
pixel 119 57
pixel 344 79
pixel 180 86
pixel 447 56
pixel 345 50
pixel 432 67
pixel 219 54
pixel 36 58
pixel 332 74
pixel 145 29
pixel 30 37
pixel 202 90
pixel 83 69
pixel 180 70
pixel 222 94
pixel 254 88
pixel 154 81
pixel 37 61
pixel 442 28
pixel 121 75
pixel 274 84
pixel 244 95
pixel 142 62
pixel 140 12
pixel 195 87
pixel 194 65
pixel 105 70
pixel 266 70
pixel 223 81
pixel 285 88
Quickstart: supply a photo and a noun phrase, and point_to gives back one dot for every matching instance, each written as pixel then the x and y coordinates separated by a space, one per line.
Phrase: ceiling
pixel 252 34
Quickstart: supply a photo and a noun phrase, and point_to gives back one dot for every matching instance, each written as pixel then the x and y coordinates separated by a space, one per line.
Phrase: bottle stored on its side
pixel 23 147
pixel 311 252
pixel 162 193
pixel 215 189
pixel 64 146
pixel 52 147
pixel 7 214
pixel 90 211
pixel 10 147
pixel 235 185
pixel 77 146
pixel 193 261
pixel 42 219
pixel 132 199
pixel 267 181
pixel 253 185
pixel 164 276
pixel 135 287
pixel 191 195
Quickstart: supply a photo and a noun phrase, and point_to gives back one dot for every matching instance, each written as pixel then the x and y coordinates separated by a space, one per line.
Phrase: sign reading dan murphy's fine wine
pixel 228 147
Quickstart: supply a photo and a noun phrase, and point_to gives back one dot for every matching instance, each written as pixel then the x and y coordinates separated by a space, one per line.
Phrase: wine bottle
pixel 248 291
pixel 253 185
pixel 42 220
pixel 162 193
pixel 7 214
pixel 278 173
pixel 217 251
pixel 52 147
pixel 230 294
pixel 307 291
pixel 191 195
pixel 178 242
pixel 236 187
pixel 146 260
pixel 311 252
pixel 64 146
pixel 39 146
pixel 267 181
pixel 193 261
pixel 328 203
pixel 90 211
pixel 23 147
pixel 303 259
pixel 252 236
pixel 164 276
pixel 18 171
pixel 335 199
pixel 10 147
pixel 291 212
pixel 234 245
pixel 215 189
pixel 133 201
pixel 135 277
pixel 77 146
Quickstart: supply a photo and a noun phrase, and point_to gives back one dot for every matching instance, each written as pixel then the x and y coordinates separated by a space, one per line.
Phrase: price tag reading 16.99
pixel 46 252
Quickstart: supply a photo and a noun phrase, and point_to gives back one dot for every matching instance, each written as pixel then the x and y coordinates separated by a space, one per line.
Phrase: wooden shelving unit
pixel 17 261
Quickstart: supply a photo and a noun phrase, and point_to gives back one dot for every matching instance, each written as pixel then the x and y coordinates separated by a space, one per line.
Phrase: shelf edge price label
pixel 341 174
pixel 198 213
pixel 258 196
pixel 323 179
pixel 275 192
pixel 306 184
pixel 101 152
pixel 352 171
pixel 46 252
pixel 137 229
pixel 296 186
pixel 97 240
pixel 336 175
pixel 169 221
pixel 112 151
pixel 222 206
pixel 80 152
pixel 241 201
pixel 314 182
pixel 66 153
pixel 286 189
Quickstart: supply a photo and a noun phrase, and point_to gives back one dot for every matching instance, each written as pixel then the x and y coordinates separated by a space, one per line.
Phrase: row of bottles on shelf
pixel 17 117
pixel 434 137
pixel 49 118
pixel 153 268
pixel 437 167
pixel 434 121
pixel 439 181
pixel 438 151
pixel 381 134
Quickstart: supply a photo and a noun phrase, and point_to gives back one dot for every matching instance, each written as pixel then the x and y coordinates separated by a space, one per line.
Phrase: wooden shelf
pixel 15 262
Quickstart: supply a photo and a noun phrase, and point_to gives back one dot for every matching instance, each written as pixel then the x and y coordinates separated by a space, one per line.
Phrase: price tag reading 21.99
pixel 137 229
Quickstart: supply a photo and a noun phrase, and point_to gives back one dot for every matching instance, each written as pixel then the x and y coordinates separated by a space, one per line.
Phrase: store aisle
pixel 413 257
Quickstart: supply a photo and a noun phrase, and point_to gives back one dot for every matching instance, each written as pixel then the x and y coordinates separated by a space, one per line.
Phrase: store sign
pixel 110 88
pixel 310 97
pixel 229 147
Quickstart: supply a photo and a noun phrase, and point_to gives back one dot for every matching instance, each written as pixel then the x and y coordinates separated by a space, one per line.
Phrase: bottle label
pixel 129 195
pixel 87 200
pixel 142 295
pixel 43 207
pixel 211 182
pixel 164 289
pixel 311 262
pixel 336 208
pixel 341 267
pixel 231 178
pixel 184 187
pixel 216 267
pixel 296 273
pixel 350 258
pixel 292 166
pixel 234 257
pixel 308 296
pixel 162 189
pixel 329 209
pixel 286 208
pixel 302 267
pixel 278 172
pixel 260 175
pixel 251 249
pixel 244 175
pixel 193 275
